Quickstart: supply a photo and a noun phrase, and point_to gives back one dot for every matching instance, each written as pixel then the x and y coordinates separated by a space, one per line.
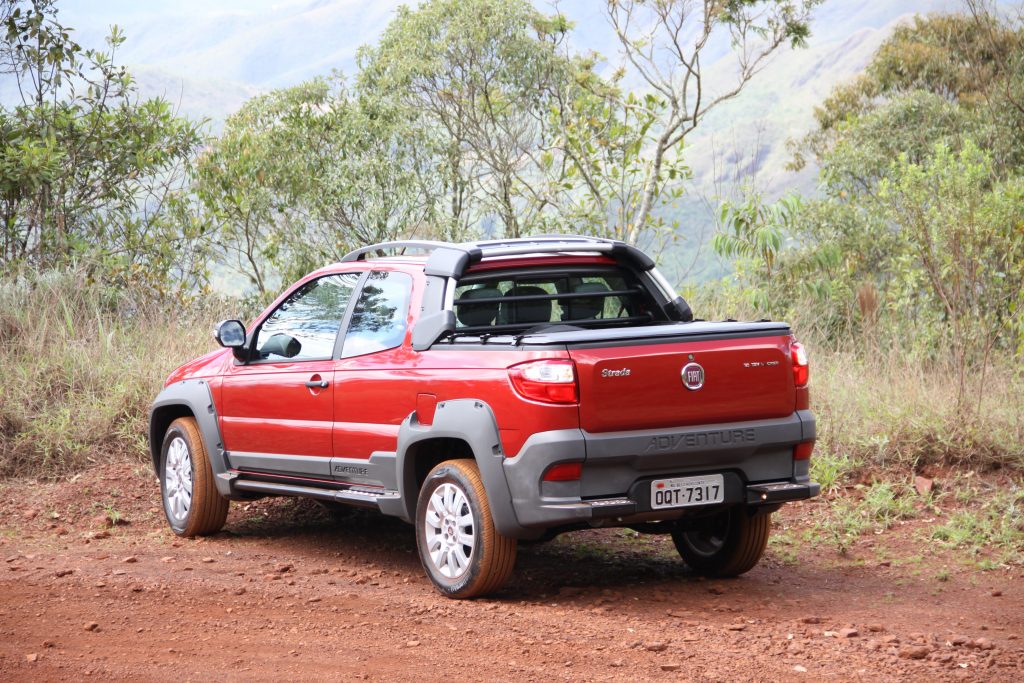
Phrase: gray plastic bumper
pixel 756 458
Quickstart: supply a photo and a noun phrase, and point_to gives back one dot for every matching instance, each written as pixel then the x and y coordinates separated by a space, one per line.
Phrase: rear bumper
pixel 754 457
pixel 771 493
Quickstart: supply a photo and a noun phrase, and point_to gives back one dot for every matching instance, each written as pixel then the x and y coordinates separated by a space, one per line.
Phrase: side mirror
pixel 230 334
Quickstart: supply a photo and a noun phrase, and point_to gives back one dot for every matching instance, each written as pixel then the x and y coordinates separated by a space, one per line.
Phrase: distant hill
pixel 748 135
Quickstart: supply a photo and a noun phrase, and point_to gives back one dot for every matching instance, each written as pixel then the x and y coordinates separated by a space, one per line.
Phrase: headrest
pixel 476 315
pixel 526 311
pixel 590 307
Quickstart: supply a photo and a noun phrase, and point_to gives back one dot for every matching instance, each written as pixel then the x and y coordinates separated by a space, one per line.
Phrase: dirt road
pixel 288 593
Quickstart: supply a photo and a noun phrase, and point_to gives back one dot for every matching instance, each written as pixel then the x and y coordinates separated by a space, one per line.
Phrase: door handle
pixel 318 384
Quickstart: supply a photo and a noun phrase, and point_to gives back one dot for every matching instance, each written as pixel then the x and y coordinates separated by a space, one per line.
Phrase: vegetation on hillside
pixel 910 261
pixel 88 172
pixel 904 274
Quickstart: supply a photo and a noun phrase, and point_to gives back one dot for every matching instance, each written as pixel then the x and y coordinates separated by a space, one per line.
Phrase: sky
pixel 334 28
pixel 273 43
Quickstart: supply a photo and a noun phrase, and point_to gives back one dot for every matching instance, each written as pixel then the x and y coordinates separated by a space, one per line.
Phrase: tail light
pixel 547 381
pixel 802 451
pixel 801 371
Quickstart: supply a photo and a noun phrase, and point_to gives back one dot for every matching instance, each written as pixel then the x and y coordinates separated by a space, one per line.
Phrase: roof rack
pixel 425 245
pixel 451 260
pixel 537 243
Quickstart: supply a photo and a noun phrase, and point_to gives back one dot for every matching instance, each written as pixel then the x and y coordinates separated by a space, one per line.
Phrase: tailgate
pixel 630 385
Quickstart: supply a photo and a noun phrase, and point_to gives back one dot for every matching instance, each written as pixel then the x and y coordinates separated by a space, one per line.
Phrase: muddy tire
pixel 728 544
pixel 192 504
pixel 461 552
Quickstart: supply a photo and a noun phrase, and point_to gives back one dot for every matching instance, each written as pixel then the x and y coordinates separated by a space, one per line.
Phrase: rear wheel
pixel 192 504
pixel 461 551
pixel 729 543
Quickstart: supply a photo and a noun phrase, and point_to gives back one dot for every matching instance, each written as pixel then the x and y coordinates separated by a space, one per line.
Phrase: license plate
pixel 686 491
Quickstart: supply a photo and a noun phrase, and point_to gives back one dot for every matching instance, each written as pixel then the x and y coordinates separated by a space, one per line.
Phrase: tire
pixel 461 552
pixel 192 504
pixel 728 544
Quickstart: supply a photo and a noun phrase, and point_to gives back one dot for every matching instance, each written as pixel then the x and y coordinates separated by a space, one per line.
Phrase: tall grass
pixel 884 402
pixel 887 410
pixel 79 365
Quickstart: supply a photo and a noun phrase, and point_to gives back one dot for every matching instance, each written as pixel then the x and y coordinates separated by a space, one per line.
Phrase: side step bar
pixel 355 495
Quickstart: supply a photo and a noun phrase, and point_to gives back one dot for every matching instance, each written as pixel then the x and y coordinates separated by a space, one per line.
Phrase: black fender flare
pixel 472 421
pixel 195 395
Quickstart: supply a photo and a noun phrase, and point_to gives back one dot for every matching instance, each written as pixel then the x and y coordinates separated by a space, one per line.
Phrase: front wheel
pixel 461 551
pixel 192 504
pixel 729 543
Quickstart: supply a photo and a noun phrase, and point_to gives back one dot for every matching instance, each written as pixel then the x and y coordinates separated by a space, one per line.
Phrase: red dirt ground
pixel 286 593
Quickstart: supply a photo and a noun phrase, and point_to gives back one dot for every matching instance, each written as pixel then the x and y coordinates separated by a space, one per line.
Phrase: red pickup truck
pixel 490 392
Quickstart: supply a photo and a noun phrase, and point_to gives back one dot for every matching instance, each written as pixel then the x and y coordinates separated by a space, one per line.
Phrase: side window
pixel 380 316
pixel 305 326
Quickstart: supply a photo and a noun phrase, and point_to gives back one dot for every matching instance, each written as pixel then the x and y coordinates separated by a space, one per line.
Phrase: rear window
pixel 523 300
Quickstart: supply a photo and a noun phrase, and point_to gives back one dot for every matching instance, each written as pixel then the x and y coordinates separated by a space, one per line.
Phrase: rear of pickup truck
pixel 614 407
pixel 676 421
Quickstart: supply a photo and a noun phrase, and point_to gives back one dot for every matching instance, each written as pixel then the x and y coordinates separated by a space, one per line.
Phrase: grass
pixel 984 526
pixel 878 507
pixel 113 514
pixel 891 412
pixel 81 365
pixel 830 470
pixel 784 547
pixel 992 532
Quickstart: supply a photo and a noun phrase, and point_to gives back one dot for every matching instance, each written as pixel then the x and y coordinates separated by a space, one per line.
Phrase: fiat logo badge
pixel 693 376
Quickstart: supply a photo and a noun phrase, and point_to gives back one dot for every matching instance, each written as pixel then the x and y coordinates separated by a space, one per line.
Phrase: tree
pixel 86 168
pixel 302 175
pixel 603 138
pixel 249 180
pixel 933 99
pixel 971 63
pixel 481 77
pixel 665 43
pixel 964 239
pixel 1004 39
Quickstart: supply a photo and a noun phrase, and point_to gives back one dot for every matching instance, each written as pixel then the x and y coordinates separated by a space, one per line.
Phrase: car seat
pixel 588 308
pixel 538 311
pixel 481 314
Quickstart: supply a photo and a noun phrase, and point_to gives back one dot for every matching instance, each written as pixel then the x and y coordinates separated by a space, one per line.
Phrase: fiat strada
pixel 490 392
